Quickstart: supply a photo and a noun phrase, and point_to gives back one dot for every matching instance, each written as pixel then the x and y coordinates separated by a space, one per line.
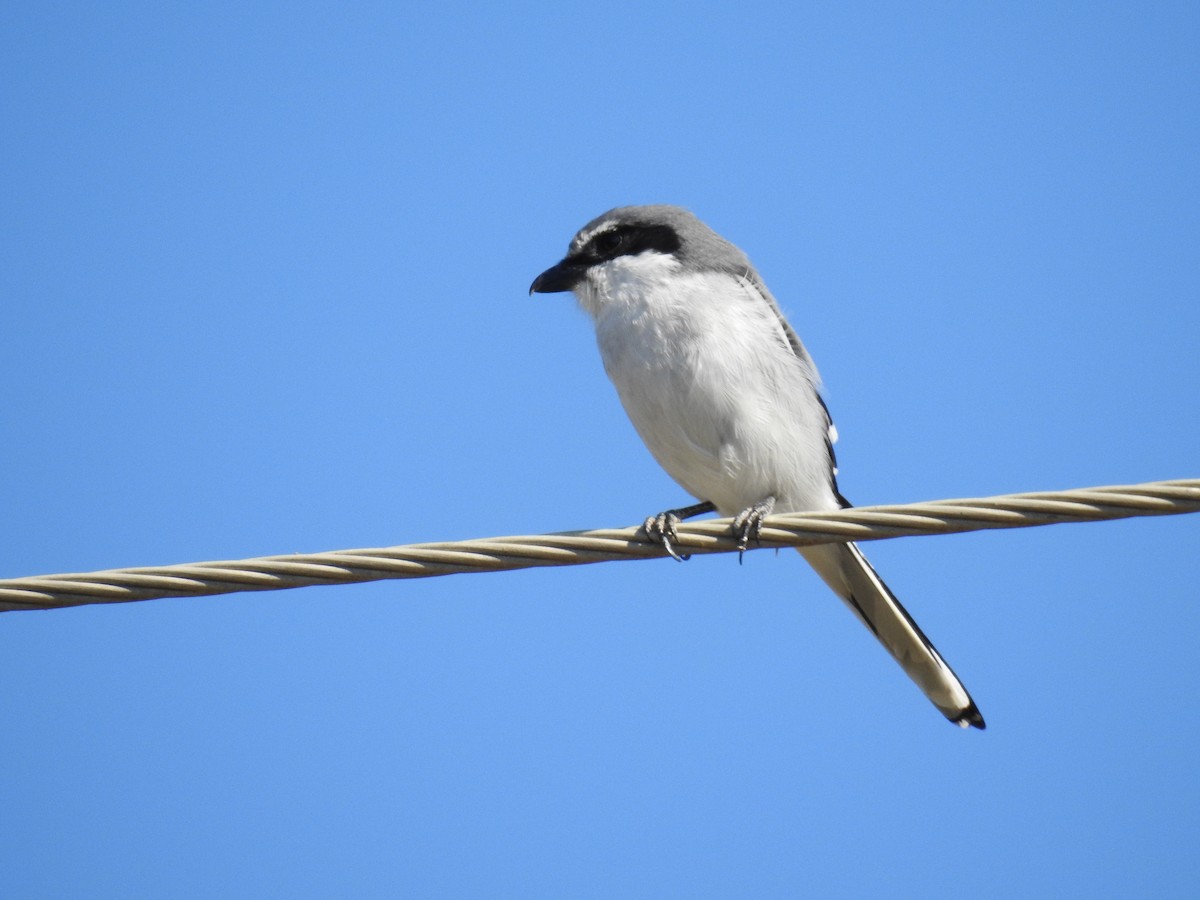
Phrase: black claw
pixel 747 525
pixel 675 554
pixel 661 529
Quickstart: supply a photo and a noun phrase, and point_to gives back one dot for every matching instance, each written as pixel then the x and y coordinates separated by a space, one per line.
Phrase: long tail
pixel 846 570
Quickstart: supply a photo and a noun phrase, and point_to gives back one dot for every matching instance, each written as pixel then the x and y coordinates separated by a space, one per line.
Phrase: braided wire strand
pixel 425 560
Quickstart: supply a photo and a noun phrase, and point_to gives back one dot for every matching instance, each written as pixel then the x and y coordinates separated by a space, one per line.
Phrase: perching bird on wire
pixel 727 400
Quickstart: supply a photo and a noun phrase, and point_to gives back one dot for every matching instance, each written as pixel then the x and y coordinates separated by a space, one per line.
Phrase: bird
pixel 728 401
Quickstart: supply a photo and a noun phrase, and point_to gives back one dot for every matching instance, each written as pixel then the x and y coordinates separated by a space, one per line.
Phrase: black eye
pixel 608 243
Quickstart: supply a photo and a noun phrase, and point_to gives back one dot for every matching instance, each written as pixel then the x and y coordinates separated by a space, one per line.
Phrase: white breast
pixel 705 372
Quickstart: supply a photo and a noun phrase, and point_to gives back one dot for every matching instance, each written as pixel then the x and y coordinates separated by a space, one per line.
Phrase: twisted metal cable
pixel 867 523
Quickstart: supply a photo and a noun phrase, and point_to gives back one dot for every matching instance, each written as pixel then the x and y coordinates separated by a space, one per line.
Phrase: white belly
pixel 722 402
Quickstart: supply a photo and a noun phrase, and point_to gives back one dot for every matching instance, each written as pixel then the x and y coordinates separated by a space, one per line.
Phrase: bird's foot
pixel 661 529
pixel 747 525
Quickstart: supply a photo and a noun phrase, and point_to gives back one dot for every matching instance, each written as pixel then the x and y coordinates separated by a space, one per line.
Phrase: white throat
pixel 627 281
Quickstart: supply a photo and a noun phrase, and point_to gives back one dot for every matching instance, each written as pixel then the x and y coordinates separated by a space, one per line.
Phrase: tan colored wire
pixel 866 523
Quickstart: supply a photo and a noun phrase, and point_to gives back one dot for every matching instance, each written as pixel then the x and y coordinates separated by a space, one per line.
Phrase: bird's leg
pixel 747 525
pixel 661 528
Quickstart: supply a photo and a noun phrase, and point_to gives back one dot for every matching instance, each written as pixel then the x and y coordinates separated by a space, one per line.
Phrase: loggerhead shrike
pixel 726 399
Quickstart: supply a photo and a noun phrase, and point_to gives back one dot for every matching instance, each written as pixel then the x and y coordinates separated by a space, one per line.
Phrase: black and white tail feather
pixel 844 568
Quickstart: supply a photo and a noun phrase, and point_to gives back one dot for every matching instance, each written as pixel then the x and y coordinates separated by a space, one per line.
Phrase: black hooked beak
pixel 561 277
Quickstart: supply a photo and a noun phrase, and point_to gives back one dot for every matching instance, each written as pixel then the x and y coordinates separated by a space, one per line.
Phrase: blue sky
pixel 264 275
